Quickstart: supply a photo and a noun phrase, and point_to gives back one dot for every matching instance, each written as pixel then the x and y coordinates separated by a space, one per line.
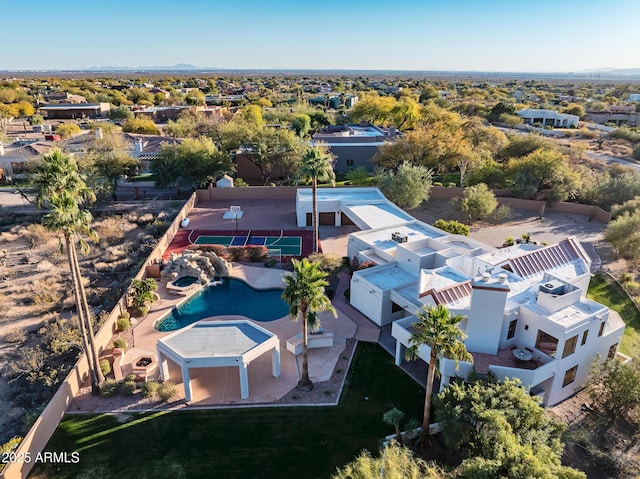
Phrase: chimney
pixel 98 133
pixel 137 149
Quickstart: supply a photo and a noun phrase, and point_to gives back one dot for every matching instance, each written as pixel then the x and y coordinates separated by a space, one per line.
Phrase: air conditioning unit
pixel 552 287
pixel 399 237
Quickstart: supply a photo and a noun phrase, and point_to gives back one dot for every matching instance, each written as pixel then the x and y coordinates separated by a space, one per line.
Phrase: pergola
pixel 213 344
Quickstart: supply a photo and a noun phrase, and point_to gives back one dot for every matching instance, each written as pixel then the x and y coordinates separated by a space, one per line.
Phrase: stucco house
pixel 548 117
pixel 355 145
pixel 525 307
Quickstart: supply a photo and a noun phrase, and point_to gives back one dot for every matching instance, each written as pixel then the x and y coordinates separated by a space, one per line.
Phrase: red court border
pixel 181 240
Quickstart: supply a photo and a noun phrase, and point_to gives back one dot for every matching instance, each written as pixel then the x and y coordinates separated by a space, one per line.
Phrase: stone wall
pixel 595 212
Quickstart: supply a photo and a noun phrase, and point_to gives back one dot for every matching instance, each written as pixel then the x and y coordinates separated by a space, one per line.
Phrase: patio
pixel 221 386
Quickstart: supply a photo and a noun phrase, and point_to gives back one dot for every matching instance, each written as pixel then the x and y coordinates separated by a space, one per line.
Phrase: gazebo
pixel 212 344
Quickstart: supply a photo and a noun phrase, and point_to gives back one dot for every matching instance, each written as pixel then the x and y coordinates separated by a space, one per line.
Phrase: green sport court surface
pixel 288 245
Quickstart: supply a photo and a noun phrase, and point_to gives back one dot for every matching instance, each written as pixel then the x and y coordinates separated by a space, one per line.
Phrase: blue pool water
pixel 233 296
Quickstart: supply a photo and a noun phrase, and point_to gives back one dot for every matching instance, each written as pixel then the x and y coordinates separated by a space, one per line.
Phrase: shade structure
pixel 212 344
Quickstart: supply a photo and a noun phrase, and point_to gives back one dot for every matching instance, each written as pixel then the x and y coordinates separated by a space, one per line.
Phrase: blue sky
pixel 484 35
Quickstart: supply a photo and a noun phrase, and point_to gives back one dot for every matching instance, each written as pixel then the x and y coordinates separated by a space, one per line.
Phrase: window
pixel 612 351
pixel 546 343
pixel 570 346
pixel 570 376
pixel 601 329
pixel 396 307
pixel 350 163
pixel 584 338
pixel 512 329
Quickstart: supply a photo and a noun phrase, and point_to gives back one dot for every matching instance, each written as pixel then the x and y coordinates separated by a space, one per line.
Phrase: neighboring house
pixel 146 148
pixel 525 307
pixel 69 111
pixel 14 157
pixel 162 114
pixel 225 182
pixel 334 101
pixel 616 114
pixel 549 117
pixel 355 145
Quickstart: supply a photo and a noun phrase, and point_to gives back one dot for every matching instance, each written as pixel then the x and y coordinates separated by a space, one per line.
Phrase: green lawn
pixel 603 290
pixel 282 442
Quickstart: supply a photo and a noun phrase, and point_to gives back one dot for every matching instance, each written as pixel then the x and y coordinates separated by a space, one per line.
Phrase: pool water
pixel 233 296
pixel 185 281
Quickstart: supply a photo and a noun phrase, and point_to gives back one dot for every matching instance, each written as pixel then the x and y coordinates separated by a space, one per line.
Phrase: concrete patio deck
pixel 218 386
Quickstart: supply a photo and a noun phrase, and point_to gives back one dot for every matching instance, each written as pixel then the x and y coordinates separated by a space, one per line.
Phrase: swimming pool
pixel 233 296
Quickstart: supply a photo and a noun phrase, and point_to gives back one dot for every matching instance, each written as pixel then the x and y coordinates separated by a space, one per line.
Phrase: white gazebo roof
pixel 210 344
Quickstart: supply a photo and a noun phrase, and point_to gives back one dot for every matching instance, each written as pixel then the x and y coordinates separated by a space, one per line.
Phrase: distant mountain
pixel 614 71
pixel 178 67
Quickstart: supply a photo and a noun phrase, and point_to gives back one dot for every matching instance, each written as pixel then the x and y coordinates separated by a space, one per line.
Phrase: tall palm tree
pixel 63 191
pixel 305 294
pixel 317 164
pixel 437 328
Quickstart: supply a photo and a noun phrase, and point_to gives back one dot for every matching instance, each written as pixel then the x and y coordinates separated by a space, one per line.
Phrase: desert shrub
pixel 128 388
pixel 111 229
pixel 7 448
pixel 130 377
pixel 453 227
pixel 626 277
pixel 15 335
pixel 141 291
pixel 256 253
pixel 636 153
pixel 509 241
pixel 46 294
pixel 140 311
pixel 105 367
pixel 167 391
pixel 270 263
pixel 109 388
pixel 36 234
pixel 626 133
pixel 123 324
pixel 437 183
pixel 501 213
pixel 590 135
pixel 237 253
pixel 328 264
pixel 240 182
pixel 125 315
pixel 157 227
pixel 150 389
pixel 120 343
pixel 632 287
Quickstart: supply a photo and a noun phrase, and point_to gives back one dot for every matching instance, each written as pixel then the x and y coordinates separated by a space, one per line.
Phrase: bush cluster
pixel 253 253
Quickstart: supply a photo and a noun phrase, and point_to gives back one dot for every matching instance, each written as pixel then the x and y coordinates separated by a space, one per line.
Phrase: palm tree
pixel 304 292
pixel 437 328
pixel 63 191
pixel 316 165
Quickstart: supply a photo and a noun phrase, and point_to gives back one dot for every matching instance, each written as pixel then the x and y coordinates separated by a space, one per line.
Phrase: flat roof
pixel 341 194
pixel 216 339
pixel 388 277
pixel 377 215
pixel 381 238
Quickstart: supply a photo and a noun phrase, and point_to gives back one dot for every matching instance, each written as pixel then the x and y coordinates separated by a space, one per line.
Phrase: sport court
pixel 287 245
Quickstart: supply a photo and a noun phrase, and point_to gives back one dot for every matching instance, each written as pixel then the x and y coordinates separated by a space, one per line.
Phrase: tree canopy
pixel 196 163
pixel 543 175
pixel 407 186
pixel 502 431
pixel 477 201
